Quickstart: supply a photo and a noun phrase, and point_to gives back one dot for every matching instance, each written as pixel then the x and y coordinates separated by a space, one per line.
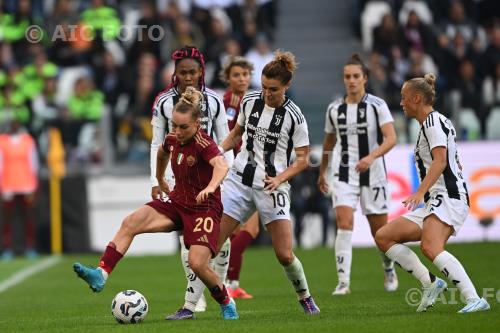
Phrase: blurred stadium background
pixel 91 69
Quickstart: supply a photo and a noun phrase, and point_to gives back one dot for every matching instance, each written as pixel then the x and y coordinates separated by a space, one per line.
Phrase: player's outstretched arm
pixel 232 139
pixel 162 158
pixel 220 171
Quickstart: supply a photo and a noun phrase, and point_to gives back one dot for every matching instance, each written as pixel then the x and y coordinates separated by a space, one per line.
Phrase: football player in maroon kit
pixel 193 206
pixel 236 73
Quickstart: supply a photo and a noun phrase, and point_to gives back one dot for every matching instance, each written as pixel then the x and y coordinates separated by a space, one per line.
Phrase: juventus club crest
pixel 278 119
pixel 362 112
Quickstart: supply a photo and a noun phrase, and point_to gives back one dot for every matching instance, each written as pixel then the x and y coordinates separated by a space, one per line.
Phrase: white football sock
pixel 233 284
pixel 343 255
pixel 295 274
pixel 410 262
pixel 222 261
pixel 195 286
pixel 455 272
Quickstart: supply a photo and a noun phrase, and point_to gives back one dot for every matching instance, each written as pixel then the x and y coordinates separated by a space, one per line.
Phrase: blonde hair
pixel 281 67
pixel 425 85
pixel 190 100
pixel 233 62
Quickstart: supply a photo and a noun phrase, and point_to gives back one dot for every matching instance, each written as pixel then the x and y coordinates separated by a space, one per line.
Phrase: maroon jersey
pixel 232 105
pixel 192 170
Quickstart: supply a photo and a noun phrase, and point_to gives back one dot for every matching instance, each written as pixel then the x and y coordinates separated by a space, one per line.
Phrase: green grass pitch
pixel 54 300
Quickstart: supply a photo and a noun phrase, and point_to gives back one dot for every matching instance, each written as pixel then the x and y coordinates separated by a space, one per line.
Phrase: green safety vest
pixel 88 107
pixel 104 19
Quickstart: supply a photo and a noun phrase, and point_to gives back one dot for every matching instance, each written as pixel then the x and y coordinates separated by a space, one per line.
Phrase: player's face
pixel 406 101
pixel 354 80
pixel 184 126
pixel 188 71
pixel 239 80
pixel 273 91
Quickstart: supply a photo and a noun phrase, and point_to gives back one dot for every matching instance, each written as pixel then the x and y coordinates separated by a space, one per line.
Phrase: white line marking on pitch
pixel 27 272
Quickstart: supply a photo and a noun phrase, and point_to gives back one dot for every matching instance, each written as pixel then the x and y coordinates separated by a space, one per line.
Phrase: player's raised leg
pixel 144 220
pixel 281 235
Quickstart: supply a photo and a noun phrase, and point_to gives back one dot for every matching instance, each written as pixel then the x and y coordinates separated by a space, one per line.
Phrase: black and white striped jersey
pixel 357 128
pixel 213 122
pixel 270 136
pixel 438 131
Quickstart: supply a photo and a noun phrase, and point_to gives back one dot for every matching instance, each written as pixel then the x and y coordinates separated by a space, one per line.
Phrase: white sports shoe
pixel 390 280
pixel 475 305
pixel 430 294
pixel 341 289
pixel 201 306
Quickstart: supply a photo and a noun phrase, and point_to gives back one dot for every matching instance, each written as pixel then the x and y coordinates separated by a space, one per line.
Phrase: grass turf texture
pixel 56 301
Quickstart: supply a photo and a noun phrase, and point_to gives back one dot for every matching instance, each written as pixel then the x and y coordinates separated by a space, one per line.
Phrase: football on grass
pixel 129 307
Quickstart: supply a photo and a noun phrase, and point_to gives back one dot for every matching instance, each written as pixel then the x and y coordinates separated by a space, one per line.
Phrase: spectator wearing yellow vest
pixel 18 184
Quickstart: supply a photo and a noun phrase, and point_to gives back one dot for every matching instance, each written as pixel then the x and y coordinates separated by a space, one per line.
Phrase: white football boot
pixel 341 289
pixel 430 294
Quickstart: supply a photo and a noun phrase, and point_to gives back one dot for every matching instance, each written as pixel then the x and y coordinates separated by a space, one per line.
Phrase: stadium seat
pixel 468 125
pixel 493 125
pixel 370 18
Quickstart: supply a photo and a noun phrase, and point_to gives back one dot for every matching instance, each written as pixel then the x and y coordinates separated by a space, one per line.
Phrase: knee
pixel 344 223
pixel 285 258
pixel 430 250
pixel 129 224
pixel 197 265
pixel 383 240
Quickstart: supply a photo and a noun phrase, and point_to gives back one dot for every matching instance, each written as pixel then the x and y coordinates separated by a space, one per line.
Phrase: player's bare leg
pixel 143 220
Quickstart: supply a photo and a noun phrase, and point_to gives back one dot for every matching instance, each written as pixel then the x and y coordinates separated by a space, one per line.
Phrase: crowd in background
pixel 72 77
pixel 458 40
pixel 95 58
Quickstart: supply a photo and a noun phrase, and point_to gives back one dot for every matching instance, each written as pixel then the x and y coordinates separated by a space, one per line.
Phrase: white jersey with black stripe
pixel 357 128
pixel 270 136
pixel 438 131
pixel 214 122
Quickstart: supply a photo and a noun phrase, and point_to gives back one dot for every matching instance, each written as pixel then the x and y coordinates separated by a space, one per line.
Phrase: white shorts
pixel 450 211
pixel 241 201
pixel 374 198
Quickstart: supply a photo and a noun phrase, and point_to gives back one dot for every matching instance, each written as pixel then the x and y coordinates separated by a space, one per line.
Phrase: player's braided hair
pixel 189 52
pixel 425 85
pixel 281 67
pixel 190 101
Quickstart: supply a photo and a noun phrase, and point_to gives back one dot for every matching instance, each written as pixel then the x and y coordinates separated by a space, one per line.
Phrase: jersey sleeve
pixel 384 114
pixel 300 135
pixel 434 133
pixel 157 118
pixel 329 125
pixel 156 141
pixel 209 152
pixel 241 116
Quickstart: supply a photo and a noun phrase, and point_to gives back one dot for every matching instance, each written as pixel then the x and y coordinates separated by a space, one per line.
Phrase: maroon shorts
pixel 200 227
